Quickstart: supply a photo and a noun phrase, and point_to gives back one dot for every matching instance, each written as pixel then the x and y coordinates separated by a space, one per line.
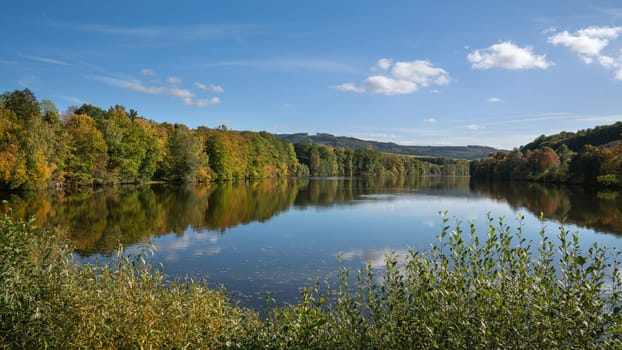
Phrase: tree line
pixel 587 157
pixel 90 146
pixel 321 160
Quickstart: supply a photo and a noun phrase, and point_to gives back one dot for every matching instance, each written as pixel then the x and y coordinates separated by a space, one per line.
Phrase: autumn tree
pixel 35 139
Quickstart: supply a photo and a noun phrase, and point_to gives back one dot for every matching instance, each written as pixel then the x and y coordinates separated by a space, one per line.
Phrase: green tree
pixel 24 103
pixel 87 151
pixel 185 160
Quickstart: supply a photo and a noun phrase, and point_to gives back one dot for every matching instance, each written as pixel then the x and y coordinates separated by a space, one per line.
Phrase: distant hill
pixel 455 152
pixel 598 136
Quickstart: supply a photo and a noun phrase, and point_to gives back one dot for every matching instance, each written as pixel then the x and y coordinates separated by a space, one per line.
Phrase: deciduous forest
pixel 88 145
pixel 590 157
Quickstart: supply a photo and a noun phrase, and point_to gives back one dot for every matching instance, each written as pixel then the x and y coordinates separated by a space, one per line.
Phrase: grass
pixel 464 292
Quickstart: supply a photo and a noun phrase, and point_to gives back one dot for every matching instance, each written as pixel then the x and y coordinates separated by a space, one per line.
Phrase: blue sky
pixel 495 73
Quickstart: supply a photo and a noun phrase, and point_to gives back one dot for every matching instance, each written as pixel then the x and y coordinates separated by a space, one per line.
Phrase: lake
pixel 273 236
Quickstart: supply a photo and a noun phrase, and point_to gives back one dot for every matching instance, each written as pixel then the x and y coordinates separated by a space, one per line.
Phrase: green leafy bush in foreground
pixel 49 301
pixel 464 292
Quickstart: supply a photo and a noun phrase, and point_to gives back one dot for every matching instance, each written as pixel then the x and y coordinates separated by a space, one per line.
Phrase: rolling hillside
pixel 456 152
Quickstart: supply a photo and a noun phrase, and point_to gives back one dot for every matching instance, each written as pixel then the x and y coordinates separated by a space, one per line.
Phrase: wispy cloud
pixel 430 120
pixel 186 96
pixel 217 89
pixel 178 92
pixel 350 87
pixel 206 102
pixel 44 59
pixel 549 30
pixel 196 30
pixel 527 118
pixel 507 55
pixel 399 78
pixel 128 84
pixel 494 100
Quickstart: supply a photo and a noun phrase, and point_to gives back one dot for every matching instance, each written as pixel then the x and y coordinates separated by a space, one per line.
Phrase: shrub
pixel 466 291
pixel 49 301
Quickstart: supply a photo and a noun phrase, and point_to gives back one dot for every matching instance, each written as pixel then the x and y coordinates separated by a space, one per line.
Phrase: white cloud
pixel 206 102
pixel 217 89
pixel 399 78
pixel 422 73
pixel 148 72
pixel 588 43
pixel 186 96
pixel 601 32
pixel 473 127
pixel 132 85
pixel 430 120
pixel 388 86
pixel 607 61
pixel 382 65
pixel 350 87
pixel 549 30
pixel 181 93
pixel 174 80
pixel 508 56
pixel 495 100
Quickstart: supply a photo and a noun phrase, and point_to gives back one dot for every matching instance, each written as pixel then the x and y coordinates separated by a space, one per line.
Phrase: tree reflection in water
pixel 99 221
pixel 599 210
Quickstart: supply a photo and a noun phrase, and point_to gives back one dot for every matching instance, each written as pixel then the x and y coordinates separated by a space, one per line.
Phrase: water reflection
pixel 597 210
pixel 101 220
pixel 272 236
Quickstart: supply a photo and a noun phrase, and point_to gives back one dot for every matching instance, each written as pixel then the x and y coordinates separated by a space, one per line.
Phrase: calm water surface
pixel 273 236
